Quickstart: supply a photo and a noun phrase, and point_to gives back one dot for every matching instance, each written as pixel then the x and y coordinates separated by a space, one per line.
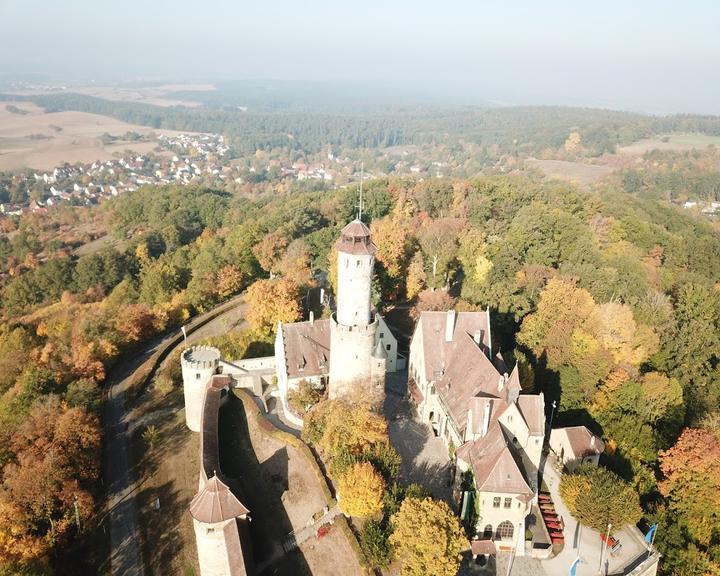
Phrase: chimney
pixel 312 318
pixel 478 337
pixel 501 383
pixel 449 325
pixel 486 418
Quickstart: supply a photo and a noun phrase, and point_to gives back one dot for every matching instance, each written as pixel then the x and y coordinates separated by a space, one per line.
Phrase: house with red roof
pixel 466 395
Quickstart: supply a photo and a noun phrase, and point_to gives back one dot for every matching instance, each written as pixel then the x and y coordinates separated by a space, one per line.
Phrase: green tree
pixel 596 496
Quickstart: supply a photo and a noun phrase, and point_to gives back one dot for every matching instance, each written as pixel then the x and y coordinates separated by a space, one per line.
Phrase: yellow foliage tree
pixel 351 427
pixel 361 490
pixel 573 143
pixel 270 302
pixel 427 538
pixel 415 282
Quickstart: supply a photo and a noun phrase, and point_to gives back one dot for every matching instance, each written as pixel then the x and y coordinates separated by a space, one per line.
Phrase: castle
pixel 466 394
pixel 348 353
pixel 352 349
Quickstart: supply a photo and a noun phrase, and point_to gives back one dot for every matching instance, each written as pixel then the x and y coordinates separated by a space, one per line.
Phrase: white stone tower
pixel 352 327
pixel 218 518
pixel 198 363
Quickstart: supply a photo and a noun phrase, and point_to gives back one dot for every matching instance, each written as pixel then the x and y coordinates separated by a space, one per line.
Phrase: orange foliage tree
pixel 692 482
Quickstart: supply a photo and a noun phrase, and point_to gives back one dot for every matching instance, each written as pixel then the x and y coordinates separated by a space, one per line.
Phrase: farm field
pixel 578 172
pixel 157 95
pixel 41 140
pixel 676 142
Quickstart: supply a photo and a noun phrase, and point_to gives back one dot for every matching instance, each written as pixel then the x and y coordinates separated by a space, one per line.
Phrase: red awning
pixel 482 547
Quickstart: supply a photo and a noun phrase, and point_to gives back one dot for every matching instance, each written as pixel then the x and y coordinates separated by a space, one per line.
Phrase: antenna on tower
pixel 362 177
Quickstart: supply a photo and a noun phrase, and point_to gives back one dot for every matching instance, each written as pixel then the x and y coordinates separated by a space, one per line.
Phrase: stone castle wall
pixel 351 356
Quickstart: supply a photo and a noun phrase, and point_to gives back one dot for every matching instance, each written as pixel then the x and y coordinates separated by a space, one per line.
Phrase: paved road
pixel 125 552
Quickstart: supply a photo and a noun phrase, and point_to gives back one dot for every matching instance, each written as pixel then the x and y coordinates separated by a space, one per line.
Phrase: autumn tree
pixel 228 281
pixel 361 490
pixel 438 242
pixel 427 538
pixel 269 250
pixel 349 432
pixel 303 397
pixel 295 263
pixel 562 308
pixel 416 278
pixel 691 470
pixel 596 496
pixel 270 302
pixel 435 300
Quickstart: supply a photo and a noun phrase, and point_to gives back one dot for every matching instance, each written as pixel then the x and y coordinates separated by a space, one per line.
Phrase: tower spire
pixel 362 177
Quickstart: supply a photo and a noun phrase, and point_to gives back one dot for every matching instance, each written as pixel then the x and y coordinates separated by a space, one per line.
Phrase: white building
pixel 576 445
pixel 468 398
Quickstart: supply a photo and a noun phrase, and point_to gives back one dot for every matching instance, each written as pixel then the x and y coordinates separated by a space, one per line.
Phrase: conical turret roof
pixel 216 503
pixel 379 351
pixel 355 239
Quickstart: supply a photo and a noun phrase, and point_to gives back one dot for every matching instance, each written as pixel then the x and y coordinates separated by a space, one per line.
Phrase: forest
pixel 516 129
pixel 609 301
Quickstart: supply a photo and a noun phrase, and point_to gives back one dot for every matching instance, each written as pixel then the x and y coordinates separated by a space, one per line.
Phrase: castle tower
pixel 352 327
pixel 378 368
pixel 198 363
pixel 218 518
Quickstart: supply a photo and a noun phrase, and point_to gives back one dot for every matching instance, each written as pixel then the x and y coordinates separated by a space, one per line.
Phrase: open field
pixel 42 141
pixel 676 142
pixel 159 95
pixel 577 172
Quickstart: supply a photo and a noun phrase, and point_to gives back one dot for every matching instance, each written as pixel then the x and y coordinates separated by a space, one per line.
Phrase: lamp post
pixel 552 414
pixel 604 545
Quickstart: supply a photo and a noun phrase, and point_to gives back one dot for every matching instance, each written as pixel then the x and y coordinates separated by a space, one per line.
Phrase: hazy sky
pixel 655 56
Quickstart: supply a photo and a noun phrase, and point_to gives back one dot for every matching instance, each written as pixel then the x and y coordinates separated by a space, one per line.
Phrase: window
pixel 537 441
pixel 505 530
pixel 496 502
pixel 487 532
pixel 357 263
pixel 387 347
pixel 508 502
pixel 197 376
pixel 210 530
pixel 382 334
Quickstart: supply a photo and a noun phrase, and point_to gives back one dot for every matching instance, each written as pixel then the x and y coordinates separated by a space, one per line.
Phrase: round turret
pixel 198 363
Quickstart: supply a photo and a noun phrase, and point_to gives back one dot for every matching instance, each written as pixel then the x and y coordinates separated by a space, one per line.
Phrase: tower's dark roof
pixel 355 239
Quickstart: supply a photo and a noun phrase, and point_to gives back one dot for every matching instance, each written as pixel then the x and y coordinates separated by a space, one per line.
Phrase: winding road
pixel 125 550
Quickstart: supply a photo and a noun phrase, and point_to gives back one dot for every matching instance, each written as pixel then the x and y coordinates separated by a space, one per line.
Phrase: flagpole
pixel 602 549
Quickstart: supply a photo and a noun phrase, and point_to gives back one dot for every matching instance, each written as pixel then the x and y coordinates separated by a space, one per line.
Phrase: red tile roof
pixel 216 503
pixel 468 373
pixel 494 465
pixel 437 351
pixel 355 239
pixel 307 348
pixel 582 443
pixel 532 408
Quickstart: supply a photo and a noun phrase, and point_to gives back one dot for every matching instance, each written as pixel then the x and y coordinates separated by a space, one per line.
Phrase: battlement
pixel 200 358
pixel 356 329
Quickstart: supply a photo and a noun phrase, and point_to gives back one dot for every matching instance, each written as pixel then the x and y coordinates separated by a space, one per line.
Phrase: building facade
pixel 467 396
